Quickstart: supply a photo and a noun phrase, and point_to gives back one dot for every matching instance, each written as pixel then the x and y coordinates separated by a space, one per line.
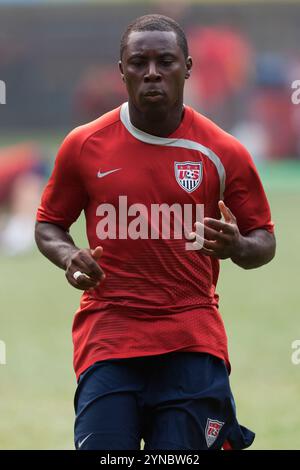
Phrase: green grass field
pixel 261 314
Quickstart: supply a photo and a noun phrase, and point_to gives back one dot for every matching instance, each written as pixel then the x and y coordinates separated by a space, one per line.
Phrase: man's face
pixel 154 69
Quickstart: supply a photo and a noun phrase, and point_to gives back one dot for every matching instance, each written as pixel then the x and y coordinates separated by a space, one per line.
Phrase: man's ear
pixel 121 70
pixel 188 65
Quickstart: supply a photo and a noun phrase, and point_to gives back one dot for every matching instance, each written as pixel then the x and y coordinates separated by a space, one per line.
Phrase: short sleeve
pixel 244 193
pixel 64 196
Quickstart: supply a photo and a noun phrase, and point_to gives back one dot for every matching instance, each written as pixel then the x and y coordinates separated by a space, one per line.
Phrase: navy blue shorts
pixel 177 400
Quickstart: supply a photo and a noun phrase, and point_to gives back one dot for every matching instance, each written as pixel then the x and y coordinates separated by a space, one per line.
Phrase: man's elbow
pixel 268 254
pixel 259 254
pixel 272 248
pixel 38 233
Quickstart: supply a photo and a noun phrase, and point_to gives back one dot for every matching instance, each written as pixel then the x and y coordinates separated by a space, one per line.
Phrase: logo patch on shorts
pixel 212 430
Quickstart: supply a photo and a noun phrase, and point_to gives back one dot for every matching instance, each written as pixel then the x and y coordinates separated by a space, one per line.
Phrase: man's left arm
pixel 223 240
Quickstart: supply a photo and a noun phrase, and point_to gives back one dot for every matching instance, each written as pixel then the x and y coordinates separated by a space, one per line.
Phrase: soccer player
pixel 150 348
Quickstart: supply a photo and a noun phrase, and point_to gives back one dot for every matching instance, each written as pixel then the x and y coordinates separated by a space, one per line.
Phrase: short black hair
pixel 155 23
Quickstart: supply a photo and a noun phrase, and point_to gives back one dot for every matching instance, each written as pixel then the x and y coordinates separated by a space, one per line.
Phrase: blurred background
pixel 58 61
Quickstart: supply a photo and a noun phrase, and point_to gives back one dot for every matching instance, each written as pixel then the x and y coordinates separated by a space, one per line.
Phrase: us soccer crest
pixel 188 175
pixel 212 430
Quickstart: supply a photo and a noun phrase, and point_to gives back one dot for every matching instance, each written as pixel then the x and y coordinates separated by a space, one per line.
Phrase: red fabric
pixel 157 296
pixel 227 446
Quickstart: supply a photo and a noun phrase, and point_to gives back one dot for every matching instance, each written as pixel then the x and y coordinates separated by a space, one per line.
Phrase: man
pixel 150 349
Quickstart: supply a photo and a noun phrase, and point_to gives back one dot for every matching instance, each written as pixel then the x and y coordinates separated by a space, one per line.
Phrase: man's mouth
pixel 153 93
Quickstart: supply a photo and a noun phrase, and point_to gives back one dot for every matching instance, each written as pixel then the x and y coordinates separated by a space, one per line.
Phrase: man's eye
pixel 167 62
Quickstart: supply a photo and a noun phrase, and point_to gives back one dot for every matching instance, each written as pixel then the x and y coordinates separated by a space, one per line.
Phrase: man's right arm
pixel 58 246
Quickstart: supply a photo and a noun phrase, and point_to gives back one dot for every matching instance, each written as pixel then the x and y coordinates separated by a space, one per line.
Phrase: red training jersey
pixel 157 296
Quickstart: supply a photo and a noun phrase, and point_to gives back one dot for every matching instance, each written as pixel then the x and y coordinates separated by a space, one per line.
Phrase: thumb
pixel 97 252
pixel 226 212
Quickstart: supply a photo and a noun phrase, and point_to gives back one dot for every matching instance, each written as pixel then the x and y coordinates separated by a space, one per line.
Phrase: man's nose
pixel 152 72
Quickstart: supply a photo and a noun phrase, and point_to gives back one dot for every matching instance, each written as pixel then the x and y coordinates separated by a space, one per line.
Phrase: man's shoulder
pixel 210 134
pixel 84 131
pixel 76 138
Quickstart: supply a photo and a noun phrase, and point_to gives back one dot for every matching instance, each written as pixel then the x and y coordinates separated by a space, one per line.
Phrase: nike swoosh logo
pixel 100 175
pixel 83 440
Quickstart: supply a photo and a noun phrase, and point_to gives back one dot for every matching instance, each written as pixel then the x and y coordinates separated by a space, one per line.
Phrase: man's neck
pixel 160 123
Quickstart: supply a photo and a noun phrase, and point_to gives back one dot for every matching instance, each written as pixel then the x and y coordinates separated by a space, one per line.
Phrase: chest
pixel 149 174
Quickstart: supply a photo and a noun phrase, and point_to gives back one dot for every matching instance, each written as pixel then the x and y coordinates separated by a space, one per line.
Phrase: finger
pixel 206 247
pixel 92 290
pixel 77 275
pixel 196 246
pixel 202 242
pixel 209 241
pixel 97 252
pixel 86 282
pixel 93 272
pixel 226 212
pixel 212 245
pixel 209 233
pixel 191 235
pixel 219 225
pixel 82 283
pixel 207 252
pixel 86 263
